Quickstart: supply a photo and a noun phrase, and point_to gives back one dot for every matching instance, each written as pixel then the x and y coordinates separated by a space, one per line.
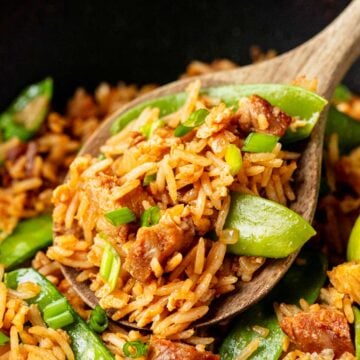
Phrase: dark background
pixel 83 43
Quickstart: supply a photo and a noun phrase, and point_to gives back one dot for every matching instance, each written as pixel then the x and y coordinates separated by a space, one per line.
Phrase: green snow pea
pixel 294 100
pixel 84 342
pixel 353 247
pixel 301 281
pixel 266 228
pixel 341 94
pixel 28 237
pixel 357 331
pixel 25 115
pixel 346 127
pixel 3 339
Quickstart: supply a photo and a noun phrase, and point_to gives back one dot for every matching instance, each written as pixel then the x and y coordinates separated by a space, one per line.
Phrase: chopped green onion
pixel 57 314
pixel 341 94
pixel 149 179
pixel 135 349
pixel 60 321
pixel 150 216
pixel 120 216
pixel 148 129
pixel 102 156
pixel 55 308
pixel 145 130
pixel 233 159
pixel 110 266
pixel 182 130
pixel 98 320
pixel 195 119
pixel 3 339
pixel 258 143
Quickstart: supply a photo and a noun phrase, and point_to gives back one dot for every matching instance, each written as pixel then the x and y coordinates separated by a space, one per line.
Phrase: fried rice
pixel 31 171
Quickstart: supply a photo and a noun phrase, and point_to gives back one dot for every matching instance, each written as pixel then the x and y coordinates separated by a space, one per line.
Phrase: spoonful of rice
pixel 190 203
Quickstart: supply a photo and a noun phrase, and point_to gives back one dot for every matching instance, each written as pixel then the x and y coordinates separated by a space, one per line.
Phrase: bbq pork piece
pixel 313 331
pixel 161 349
pixel 134 200
pixel 159 241
pixel 257 114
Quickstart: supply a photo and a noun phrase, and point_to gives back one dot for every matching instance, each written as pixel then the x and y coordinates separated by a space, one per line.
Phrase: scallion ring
pixel 135 349
pixel 98 320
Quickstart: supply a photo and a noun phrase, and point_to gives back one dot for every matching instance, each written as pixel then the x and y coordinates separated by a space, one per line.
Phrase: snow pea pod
pixel 347 128
pixel 28 237
pixel 266 228
pixel 353 247
pixel 294 100
pixel 301 281
pixel 84 342
pixel 25 115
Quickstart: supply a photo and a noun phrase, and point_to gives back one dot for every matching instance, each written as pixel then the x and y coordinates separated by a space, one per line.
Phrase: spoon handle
pixel 329 55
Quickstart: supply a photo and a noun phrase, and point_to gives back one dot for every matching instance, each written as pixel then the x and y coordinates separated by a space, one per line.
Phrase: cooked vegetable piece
pixel 25 115
pixel 353 247
pixel 120 216
pixel 57 314
pixel 260 143
pixel 135 349
pixel 346 127
pixel 3 339
pixel 301 281
pixel 341 94
pixel 150 216
pixel 110 266
pixel 84 342
pixel 148 129
pixel 28 237
pixel 60 321
pixel 196 119
pixel 233 159
pixel 266 228
pixel 295 101
pixel 98 320
pixel 149 179
pixel 357 331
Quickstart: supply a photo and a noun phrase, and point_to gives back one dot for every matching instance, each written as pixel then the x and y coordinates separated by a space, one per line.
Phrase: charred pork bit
pixel 159 241
pixel 258 115
pixel 313 331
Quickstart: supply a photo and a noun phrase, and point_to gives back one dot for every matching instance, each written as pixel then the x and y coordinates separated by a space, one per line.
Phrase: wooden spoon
pixel 325 57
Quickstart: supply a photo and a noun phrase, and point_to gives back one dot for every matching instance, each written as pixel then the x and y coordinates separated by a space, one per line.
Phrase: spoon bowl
pixel 326 57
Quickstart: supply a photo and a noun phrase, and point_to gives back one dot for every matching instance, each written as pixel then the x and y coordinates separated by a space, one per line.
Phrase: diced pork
pixel 257 114
pixel 313 331
pixel 134 200
pixel 161 349
pixel 159 241
pixel 347 170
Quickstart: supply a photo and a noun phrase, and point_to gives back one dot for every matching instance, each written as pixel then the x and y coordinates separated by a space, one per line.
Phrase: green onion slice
pixel 58 315
pixel 233 158
pixel 60 321
pixel 149 179
pixel 258 143
pixel 195 119
pixel 3 339
pixel 150 216
pixel 98 320
pixel 120 216
pixel 148 129
pixel 135 349
pixel 110 266
pixel 55 308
